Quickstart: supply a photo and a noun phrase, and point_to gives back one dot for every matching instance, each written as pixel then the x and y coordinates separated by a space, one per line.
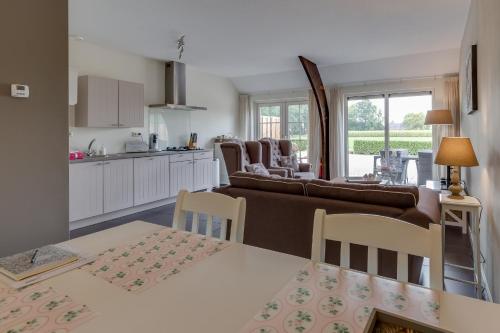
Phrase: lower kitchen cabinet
pixel 118 185
pixel 97 188
pixel 181 176
pixel 151 179
pixel 203 174
pixel 86 181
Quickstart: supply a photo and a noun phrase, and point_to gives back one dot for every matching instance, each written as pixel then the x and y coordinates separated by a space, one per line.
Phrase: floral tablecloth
pixel 39 309
pixel 142 264
pixel 329 299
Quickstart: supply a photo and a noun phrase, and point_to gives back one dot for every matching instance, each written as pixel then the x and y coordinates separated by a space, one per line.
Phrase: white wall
pixel 214 92
pixel 483 29
pixel 410 66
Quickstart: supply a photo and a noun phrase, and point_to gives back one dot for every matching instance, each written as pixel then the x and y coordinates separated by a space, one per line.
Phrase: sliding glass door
pixel 387 122
pixel 366 135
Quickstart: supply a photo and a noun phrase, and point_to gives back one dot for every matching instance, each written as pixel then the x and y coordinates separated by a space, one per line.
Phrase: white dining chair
pixel 379 232
pixel 212 205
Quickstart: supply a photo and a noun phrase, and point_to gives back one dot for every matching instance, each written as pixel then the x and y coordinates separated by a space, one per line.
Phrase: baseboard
pixel 486 286
pixel 113 215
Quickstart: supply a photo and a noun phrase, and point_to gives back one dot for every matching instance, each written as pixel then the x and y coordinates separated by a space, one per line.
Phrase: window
pixel 285 120
pixel 269 121
pixel 387 121
pixel 298 128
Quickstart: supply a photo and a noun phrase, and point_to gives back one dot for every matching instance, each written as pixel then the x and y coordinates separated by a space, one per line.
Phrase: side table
pixel 472 206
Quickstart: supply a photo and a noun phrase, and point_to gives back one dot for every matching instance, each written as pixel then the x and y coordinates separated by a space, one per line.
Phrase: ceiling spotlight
pixel 180 46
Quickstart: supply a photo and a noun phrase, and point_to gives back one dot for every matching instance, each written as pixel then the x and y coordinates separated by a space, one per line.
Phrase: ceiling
pixel 235 38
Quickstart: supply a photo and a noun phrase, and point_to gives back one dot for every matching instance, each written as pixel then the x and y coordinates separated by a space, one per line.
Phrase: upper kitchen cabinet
pixel 110 103
pixel 97 102
pixel 130 104
pixel 72 86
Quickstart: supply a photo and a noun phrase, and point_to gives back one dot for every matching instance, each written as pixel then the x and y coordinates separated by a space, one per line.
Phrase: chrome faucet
pixel 90 151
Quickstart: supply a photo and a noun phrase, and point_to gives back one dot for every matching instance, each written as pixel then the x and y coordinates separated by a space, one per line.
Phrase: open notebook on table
pixel 19 271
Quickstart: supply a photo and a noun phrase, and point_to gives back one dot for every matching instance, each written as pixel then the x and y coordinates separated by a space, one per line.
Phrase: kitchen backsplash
pixel 173 128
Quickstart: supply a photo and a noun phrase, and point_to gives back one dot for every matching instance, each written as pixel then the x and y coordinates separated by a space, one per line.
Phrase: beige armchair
pixel 273 150
pixel 238 154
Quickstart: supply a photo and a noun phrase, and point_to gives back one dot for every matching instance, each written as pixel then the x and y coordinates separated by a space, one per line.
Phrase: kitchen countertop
pixel 121 156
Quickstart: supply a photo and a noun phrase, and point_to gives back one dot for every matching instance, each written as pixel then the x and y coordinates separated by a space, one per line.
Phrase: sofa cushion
pixel 258 169
pixel 393 196
pixel 267 183
pixel 289 162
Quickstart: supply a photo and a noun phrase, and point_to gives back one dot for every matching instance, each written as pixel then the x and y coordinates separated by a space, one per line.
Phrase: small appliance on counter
pixel 103 151
pixel 136 146
pixel 153 142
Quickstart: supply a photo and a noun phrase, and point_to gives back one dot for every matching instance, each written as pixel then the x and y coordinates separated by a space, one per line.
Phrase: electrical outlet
pixel 136 134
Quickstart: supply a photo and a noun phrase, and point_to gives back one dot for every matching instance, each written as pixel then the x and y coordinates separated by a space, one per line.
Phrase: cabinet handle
pixel 98 164
pixel 151 158
pixel 121 124
pixel 114 125
pixel 106 163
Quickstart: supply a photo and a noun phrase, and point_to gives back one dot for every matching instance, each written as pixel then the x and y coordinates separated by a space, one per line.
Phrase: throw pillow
pixel 289 162
pixel 258 169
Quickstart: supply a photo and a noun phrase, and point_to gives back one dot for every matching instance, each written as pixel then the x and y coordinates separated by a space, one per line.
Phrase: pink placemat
pixel 329 299
pixel 39 309
pixel 144 263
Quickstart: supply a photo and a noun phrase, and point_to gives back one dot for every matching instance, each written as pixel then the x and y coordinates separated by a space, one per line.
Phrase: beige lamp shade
pixel 438 117
pixel 456 151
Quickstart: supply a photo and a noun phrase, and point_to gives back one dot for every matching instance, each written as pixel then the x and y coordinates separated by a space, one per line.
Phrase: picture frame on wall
pixel 471 81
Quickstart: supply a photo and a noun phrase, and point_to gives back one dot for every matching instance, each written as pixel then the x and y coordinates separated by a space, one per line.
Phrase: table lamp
pixel 438 117
pixel 456 152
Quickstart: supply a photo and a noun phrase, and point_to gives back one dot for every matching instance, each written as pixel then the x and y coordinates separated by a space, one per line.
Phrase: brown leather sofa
pixel 280 214
pixel 273 150
pixel 238 154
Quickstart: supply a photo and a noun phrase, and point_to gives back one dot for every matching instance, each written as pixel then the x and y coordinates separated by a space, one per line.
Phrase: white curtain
pixel 452 98
pixel 314 150
pixel 245 114
pixel 337 134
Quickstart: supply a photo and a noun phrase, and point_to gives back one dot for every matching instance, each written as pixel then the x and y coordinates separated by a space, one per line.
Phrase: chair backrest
pixel 379 232
pixel 392 160
pixel 212 205
pixel 424 166
pixel 272 151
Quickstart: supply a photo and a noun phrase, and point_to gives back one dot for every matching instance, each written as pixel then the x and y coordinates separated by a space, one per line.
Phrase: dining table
pixel 216 295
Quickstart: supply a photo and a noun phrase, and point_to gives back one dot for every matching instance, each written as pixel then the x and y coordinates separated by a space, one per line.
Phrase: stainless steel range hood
pixel 175 89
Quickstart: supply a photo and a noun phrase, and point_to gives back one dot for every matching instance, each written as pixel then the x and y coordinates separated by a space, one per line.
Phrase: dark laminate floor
pixel 458 248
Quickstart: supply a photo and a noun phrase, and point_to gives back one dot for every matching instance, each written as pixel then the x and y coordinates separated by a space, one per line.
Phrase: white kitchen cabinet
pixel 203 174
pixel 118 184
pixel 85 190
pixel 151 179
pixel 181 176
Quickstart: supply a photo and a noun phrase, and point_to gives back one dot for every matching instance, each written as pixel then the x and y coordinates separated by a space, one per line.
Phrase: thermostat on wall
pixel 19 90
